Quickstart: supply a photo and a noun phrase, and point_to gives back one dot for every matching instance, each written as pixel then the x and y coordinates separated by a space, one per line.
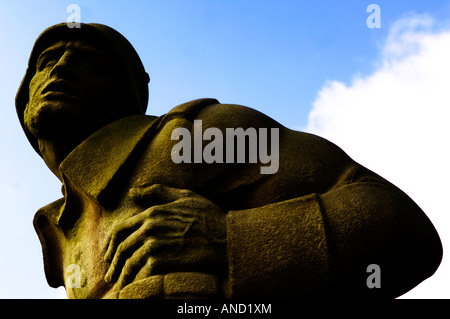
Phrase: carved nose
pixel 63 66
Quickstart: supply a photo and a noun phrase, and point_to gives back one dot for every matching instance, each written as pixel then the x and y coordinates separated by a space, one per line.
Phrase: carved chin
pixel 48 119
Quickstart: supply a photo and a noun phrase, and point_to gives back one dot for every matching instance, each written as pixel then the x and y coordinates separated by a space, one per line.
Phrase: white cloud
pixel 395 121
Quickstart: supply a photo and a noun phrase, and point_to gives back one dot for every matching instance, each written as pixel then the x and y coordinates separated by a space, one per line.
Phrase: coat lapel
pixel 93 165
pixel 91 168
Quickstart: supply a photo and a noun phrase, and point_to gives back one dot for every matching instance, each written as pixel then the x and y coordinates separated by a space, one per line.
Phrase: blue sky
pixel 310 65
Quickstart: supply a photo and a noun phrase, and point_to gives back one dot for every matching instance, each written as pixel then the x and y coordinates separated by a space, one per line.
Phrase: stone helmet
pixel 136 79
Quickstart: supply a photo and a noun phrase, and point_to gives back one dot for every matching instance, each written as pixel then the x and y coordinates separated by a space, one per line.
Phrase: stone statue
pixel 138 219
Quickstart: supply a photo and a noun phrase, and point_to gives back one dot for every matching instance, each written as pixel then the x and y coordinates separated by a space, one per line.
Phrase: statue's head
pixel 79 80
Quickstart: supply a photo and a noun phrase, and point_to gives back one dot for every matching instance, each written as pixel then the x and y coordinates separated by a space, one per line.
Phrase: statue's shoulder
pixel 193 107
pixel 314 149
pixel 215 114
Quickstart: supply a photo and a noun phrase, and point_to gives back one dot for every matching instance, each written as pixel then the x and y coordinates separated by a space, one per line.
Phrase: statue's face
pixel 74 89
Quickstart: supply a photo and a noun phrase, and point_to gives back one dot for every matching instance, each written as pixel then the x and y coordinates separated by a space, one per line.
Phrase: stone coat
pixel 310 229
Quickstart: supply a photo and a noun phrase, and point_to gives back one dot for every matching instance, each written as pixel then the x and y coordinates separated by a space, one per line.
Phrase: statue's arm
pixel 324 243
pixel 340 219
pixel 313 227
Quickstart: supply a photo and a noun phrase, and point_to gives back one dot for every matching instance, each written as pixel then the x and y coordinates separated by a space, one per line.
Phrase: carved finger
pixel 143 259
pixel 124 250
pixel 156 228
pixel 121 231
pixel 134 263
pixel 124 229
pixel 157 194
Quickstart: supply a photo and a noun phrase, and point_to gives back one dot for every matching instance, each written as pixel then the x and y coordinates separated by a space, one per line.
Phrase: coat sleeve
pixel 315 226
pixel 322 244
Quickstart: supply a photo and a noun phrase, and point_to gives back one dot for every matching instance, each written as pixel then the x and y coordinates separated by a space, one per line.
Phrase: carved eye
pixel 46 62
pixel 91 66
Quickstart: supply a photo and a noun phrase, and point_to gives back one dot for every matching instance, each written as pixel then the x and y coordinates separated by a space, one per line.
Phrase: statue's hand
pixel 180 232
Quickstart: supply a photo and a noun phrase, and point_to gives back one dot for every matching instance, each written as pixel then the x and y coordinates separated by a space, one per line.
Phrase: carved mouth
pixel 58 87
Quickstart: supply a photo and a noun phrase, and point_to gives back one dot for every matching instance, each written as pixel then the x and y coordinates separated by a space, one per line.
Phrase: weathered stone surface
pixel 138 225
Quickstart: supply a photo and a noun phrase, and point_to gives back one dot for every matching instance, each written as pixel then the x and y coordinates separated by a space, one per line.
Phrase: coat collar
pixel 92 166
